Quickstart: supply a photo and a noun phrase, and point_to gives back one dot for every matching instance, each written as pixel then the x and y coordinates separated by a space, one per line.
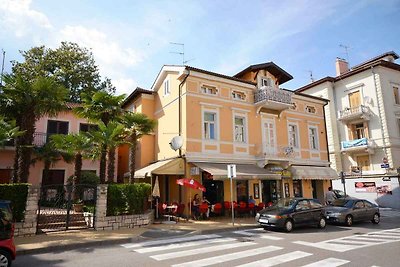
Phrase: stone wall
pixel 103 222
pixel 28 226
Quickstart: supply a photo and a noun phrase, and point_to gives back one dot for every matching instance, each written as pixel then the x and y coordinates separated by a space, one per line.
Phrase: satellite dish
pixel 176 142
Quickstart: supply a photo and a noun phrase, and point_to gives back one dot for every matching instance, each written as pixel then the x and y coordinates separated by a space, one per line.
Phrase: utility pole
pixel 2 67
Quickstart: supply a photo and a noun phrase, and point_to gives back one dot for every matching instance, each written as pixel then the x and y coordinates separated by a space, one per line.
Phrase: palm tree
pixel 27 101
pixel 136 125
pixel 79 146
pixel 8 131
pixel 104 107
pixel 108 136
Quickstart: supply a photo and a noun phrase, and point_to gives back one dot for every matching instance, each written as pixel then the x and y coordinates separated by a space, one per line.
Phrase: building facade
pixel 276 138
pixel 363 123
pixel 65 122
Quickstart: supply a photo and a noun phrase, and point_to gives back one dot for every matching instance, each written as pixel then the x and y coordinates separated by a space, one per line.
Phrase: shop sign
pixel 365 187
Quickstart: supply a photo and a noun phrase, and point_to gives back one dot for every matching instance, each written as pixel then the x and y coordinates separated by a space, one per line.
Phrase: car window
pixel 303 205
pixel 368 204
pixel 347 203
pixel 315 204
pixel 359 205
pixel 284 203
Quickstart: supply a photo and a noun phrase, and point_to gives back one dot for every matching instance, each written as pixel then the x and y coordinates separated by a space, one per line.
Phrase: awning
pixel 165 167
pixel 243 171
pixel 313 173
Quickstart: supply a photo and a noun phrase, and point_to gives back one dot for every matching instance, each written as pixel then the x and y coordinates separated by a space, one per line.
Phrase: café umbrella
pixel 156 194
pixel 191 183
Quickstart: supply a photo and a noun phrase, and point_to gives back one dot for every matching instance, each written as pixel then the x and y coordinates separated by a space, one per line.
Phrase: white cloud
pixel 18 17
pixel 124 86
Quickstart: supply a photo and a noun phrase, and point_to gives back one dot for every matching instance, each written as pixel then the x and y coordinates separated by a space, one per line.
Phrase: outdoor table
pixel 169 213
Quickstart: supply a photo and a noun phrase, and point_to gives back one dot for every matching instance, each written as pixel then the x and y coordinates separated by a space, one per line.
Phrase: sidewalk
pixel 84 238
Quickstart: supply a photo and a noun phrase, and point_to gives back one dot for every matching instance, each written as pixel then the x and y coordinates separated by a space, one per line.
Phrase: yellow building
pixel 275 137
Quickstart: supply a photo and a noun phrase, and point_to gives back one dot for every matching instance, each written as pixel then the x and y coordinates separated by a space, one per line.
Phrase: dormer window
pixel 237 95
pixel 267 82
pixel 310 109
pixel 209 90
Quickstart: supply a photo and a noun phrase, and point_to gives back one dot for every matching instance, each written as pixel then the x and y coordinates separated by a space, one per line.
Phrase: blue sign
pixel 354 143
pixel 385 165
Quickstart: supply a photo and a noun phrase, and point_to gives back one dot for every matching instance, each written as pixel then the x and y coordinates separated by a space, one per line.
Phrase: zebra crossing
pixel 357 241
pixel 205 250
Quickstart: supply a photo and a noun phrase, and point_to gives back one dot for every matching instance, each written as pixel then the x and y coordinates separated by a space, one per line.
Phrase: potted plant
pixel 78 205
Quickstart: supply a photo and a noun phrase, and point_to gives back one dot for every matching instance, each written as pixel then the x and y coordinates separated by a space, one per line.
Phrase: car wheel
pixel 322 223
pixel 288 226
pixel 349 220
pixel 5 258
pixel 376 219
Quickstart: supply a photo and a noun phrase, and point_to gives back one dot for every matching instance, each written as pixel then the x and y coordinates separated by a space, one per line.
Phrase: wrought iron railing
pixel 276 151
pixel 39 139
pixel 359 110
pixel 272 94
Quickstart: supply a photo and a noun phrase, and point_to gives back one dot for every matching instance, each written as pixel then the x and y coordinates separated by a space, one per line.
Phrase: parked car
pixel 290 212
pixel 349 210
pixel 7 247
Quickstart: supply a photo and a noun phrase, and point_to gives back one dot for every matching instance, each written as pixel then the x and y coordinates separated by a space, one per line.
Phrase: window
pixel 293 136
pixel 359 131
pixel 303 205
pixel 166 87
pixel 240 129
pixel 359 205
pixel 87 127
pixel 310 109
pixel 313 136
pixel 57 127
pixel 267 82
pixel 297 188
pixel 209 90
pixel 238 95
pixel 396 95
pixel 209 125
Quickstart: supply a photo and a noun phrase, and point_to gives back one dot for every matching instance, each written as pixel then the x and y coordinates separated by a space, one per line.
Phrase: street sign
pixel 231 170
pixel 386 179
pixel 385 166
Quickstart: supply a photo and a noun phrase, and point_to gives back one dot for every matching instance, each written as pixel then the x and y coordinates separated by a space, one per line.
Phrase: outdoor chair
pixel 181 209
pixel 260 206
pixel 251 208
pixel 203 210
pixel 217 209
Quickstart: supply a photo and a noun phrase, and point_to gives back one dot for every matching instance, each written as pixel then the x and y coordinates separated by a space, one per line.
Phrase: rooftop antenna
pixel 180 53
pixel 2 67
pixel 346 48
pixel 311 76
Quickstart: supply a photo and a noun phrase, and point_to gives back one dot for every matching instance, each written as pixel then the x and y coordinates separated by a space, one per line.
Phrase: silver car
pixel 349 210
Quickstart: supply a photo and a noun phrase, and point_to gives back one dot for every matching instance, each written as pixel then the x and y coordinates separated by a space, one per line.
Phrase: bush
pixel 17 194
pixel 127 198
pixel 90 178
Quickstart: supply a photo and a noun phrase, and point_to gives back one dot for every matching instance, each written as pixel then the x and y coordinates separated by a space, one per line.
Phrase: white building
pixel 363 126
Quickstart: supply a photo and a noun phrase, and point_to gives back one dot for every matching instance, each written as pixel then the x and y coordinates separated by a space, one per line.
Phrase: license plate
pixel 261 220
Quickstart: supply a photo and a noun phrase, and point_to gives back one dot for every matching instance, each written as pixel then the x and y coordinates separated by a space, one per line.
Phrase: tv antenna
pixel 346 48
pixel 182 52
pixel 2 67
pixel 311 76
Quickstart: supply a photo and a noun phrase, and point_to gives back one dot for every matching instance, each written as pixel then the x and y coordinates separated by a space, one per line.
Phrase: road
pixel 364 244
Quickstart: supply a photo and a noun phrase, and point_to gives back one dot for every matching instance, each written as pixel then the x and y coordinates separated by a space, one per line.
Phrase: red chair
pixel 260 206
pixel 203 210
pixel 242 208
pixel 181 209
pixel 227 207
pixel 251 208
pixel 217 209
pixel 161 209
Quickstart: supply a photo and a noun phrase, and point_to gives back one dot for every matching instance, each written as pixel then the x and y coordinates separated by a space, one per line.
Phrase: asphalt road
pixel 364 244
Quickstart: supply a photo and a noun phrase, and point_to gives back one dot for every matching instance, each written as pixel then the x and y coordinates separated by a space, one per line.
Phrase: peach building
pixel 275 137
pixel 65 122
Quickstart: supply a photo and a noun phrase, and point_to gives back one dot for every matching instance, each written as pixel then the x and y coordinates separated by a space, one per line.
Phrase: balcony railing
pixel 362 144
pixel 354 113
pixel 268 94
pixel 277 151
pixel 39 139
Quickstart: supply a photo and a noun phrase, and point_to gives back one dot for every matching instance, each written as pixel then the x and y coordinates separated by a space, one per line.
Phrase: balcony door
pixel 354 99
pixel 363 162
pixel 269 137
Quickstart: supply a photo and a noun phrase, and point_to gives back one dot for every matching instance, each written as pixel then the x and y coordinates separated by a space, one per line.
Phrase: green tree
pixel 136 125
pixel 8 131
pixel 27 101
pixel 79 146
pixel 108 136
pixel 103 107
pixel 71 65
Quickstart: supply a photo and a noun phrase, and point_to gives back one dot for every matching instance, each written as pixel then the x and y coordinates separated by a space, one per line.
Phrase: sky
pixel 131 40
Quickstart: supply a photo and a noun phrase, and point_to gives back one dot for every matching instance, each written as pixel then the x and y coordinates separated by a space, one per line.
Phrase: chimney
pixel 342 66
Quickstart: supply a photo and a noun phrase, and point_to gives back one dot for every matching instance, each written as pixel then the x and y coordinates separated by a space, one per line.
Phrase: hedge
pixel 17 194
pixel 127 198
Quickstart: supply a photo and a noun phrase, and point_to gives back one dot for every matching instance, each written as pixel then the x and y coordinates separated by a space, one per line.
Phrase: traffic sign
pixel 231 170
pixel 385 166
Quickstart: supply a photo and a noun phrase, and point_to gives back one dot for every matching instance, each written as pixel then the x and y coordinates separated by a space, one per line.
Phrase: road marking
pixel 277 259
pixel 270 237
pixel 355 242
pixel 168 241
pixel 197 251
pixel 386 235
pixel 372 239
pixel 327 246
pixel 264 236
pixel 183 245
pixel 228 257
pixel 329 262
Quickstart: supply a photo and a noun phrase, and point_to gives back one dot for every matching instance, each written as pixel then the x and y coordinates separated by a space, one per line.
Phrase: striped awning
pixel 313 173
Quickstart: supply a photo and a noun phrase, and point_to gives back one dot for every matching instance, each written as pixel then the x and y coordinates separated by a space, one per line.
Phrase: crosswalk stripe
pixel 244 232
pixel 168 241
pixel 327 246
pixel 270 237
pixel 200 250
pixel 347 241
pixel 386 235
pixel 264 236
pixel 183 245
pixel 228 257
pixel 329 262
pixel 277 259
pixel 372 239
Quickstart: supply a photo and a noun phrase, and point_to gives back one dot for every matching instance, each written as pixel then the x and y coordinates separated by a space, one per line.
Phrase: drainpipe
pixel 180 108
pixel 380 112
pixel 338 130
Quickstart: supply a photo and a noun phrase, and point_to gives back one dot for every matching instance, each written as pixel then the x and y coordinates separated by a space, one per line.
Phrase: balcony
pixel 281 152
pixel 356 113
pixel 272 99
pixel 358 146
pixel 39 139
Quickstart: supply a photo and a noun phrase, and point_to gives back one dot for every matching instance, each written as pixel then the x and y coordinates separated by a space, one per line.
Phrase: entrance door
pixel 214 191
pixel 271 191
pixel 269 139
pixel 242 189
pixel 363 162
pixel 354 99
